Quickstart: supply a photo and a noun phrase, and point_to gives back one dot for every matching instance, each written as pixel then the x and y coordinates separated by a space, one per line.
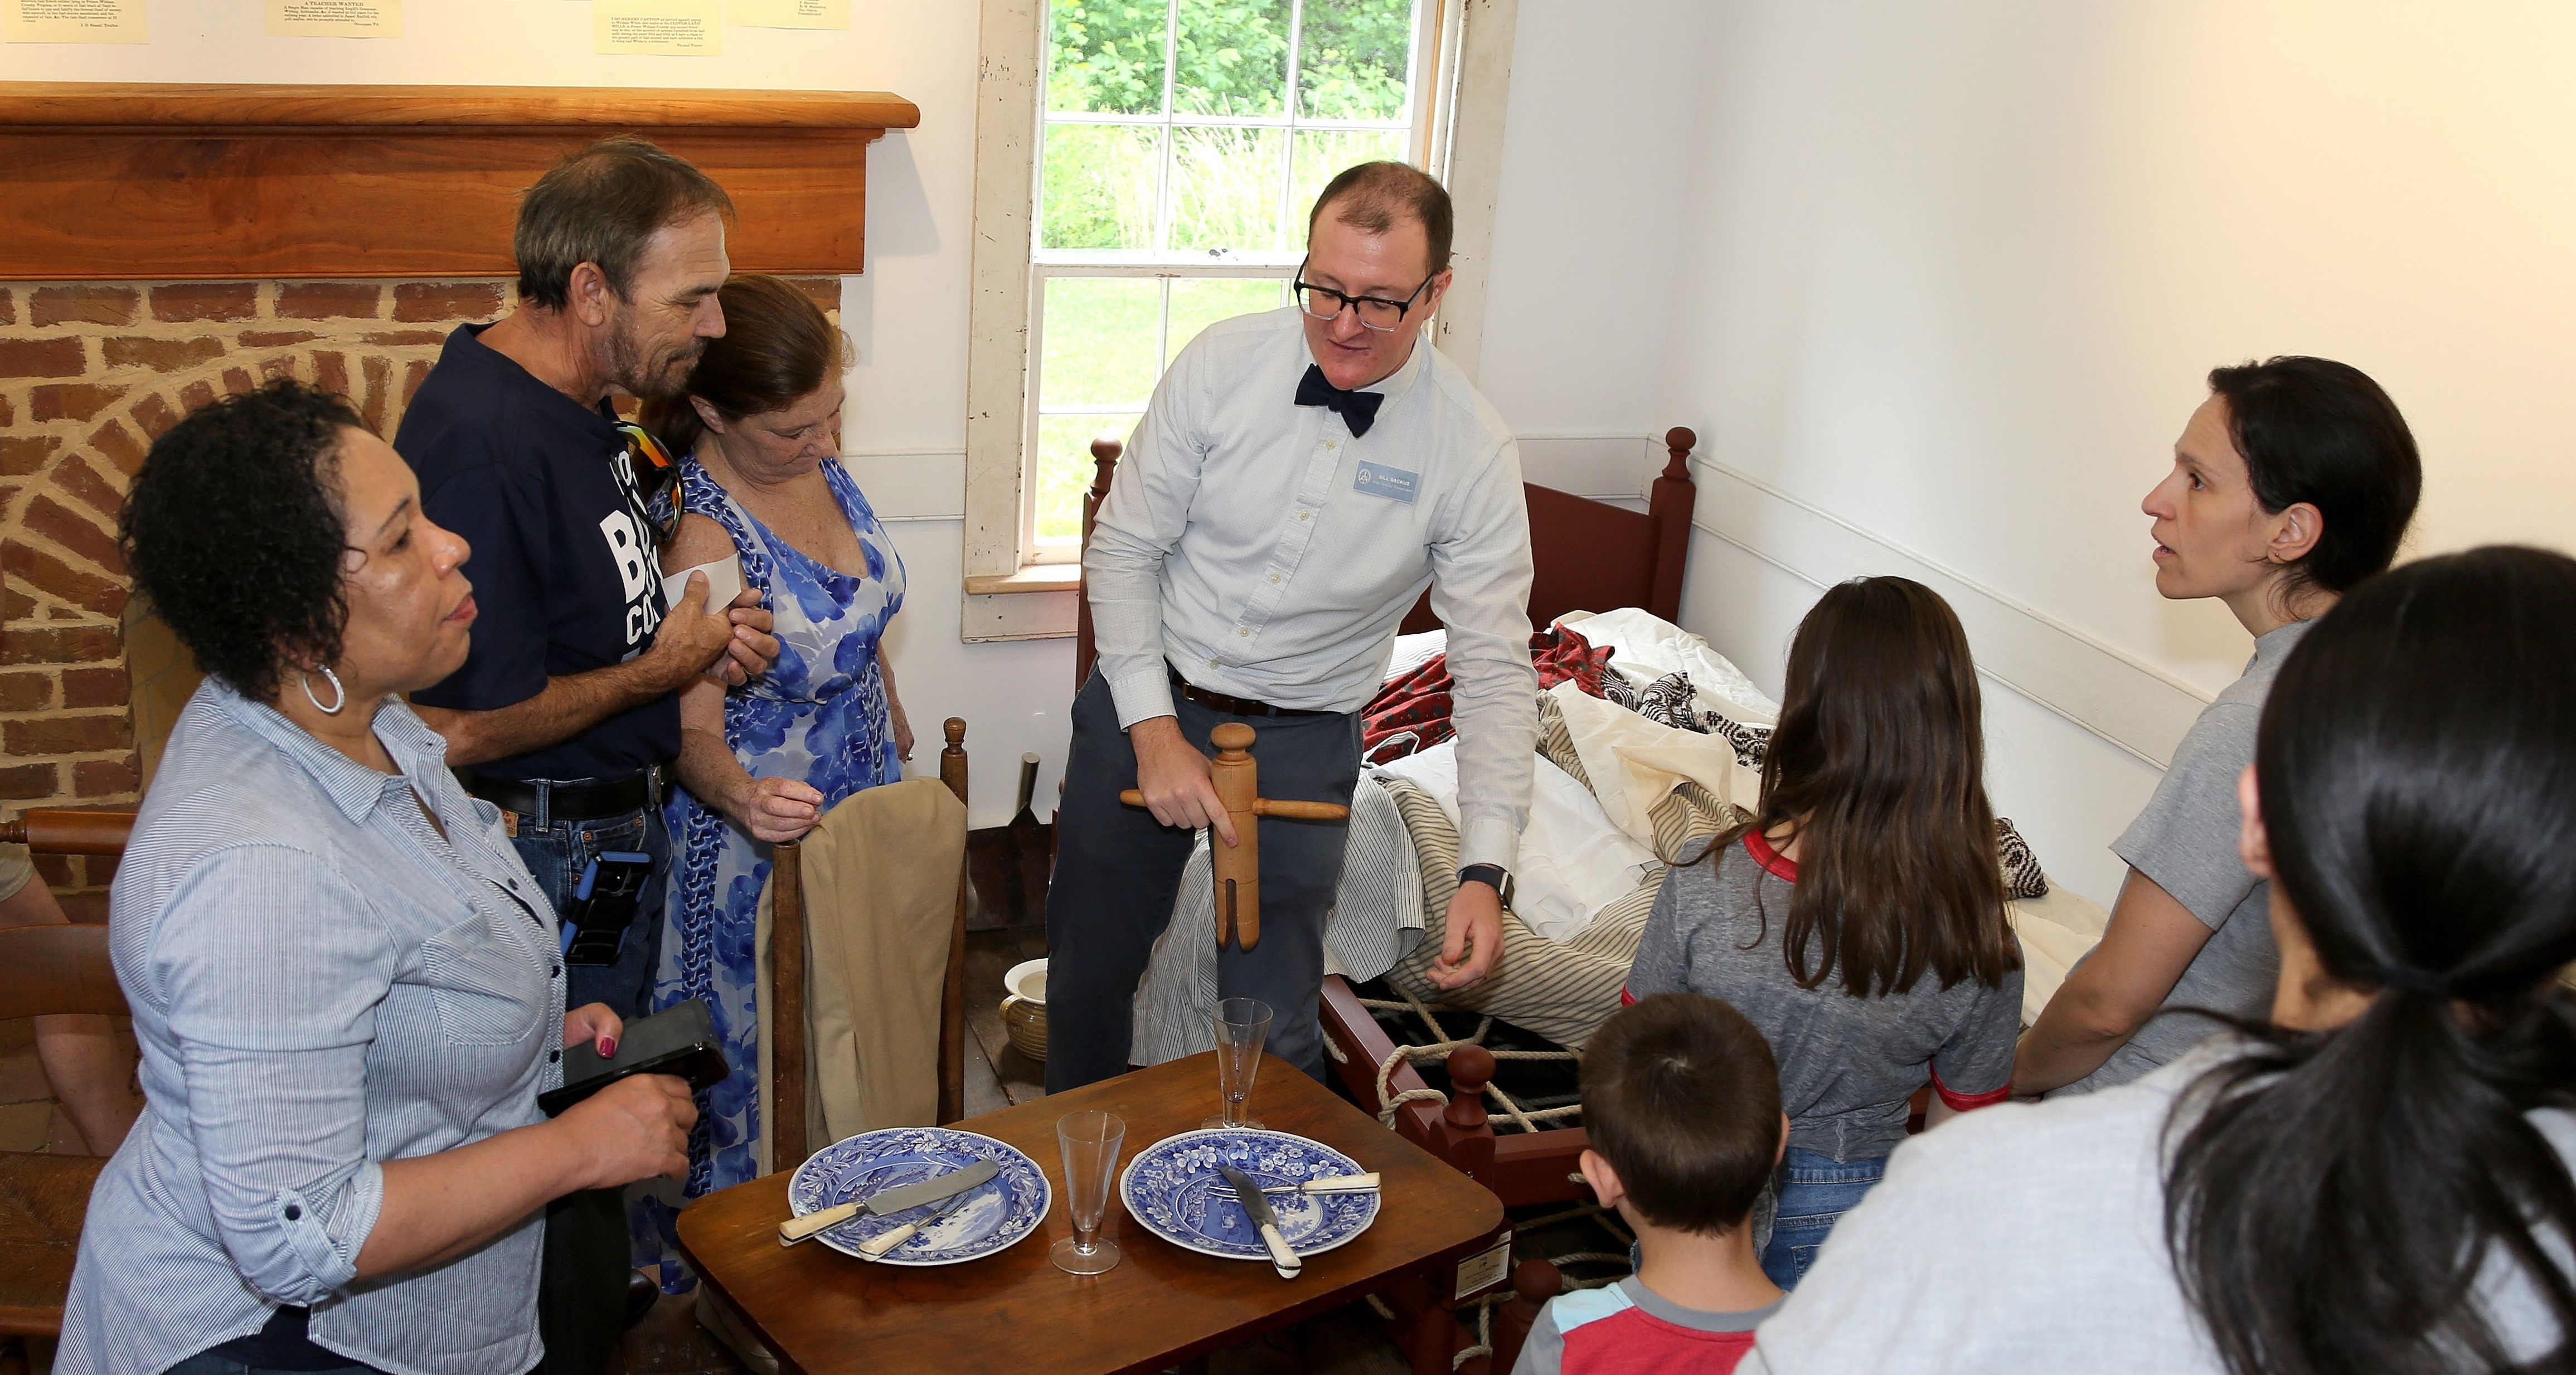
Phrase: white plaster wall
pixel 906 423
pixel 1596 166
pixel 1956 272
pixel 1953 274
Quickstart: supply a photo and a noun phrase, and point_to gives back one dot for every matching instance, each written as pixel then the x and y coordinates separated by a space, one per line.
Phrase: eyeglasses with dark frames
pixel 1375 312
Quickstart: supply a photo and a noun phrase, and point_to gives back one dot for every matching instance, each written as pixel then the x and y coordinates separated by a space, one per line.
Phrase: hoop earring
pixel 334 708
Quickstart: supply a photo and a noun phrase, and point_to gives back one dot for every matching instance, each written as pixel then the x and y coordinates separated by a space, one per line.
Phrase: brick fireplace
pixel 164 245
pixel 90 373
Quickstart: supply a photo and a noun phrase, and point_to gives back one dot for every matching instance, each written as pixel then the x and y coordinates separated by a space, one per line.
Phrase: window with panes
pixel 1182 143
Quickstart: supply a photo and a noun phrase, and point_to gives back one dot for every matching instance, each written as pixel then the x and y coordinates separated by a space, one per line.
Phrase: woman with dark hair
pixel 760 480
pixel 2377 1178
pixel 2294 481
pixel 1858 919
pixel 346 986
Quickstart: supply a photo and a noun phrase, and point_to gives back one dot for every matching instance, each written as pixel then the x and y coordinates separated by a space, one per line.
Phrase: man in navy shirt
pixel 565 712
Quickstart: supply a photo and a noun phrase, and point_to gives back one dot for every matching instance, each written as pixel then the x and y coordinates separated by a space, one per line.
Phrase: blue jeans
pixel 557 854
pixel 1815 1191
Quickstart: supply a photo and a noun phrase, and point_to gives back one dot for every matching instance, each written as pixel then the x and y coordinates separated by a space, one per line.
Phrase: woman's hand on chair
pixel 633 1129
pixel 777 810
pixel 594 1024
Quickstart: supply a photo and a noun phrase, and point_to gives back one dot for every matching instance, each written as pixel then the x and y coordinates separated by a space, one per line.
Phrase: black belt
pixel 1235 706
pixel 585 799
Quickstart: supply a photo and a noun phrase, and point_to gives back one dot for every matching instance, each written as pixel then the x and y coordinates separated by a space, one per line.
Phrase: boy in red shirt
pixel 1682 1101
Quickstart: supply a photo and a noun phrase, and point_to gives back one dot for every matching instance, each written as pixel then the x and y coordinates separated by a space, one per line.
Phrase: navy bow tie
pixel 1358 408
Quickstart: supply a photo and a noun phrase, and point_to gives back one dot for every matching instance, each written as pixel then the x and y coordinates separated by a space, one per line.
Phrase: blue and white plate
pixel 1174 1189
pixel 997 1212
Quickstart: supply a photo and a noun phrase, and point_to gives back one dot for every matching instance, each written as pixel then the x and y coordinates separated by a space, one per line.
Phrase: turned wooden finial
pixel 1678 442
pixel 955 729
pixel 1537 1280
pixel 1470 1069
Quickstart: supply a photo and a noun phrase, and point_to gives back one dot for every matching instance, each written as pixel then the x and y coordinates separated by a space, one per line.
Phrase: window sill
pixel 1037 577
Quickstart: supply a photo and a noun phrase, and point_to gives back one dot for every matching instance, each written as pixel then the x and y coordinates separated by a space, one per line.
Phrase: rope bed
pixel 1528 1118
pixel 1389 1103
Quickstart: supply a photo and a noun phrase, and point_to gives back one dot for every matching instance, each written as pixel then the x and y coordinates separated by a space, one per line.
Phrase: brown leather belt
pixel 1234 706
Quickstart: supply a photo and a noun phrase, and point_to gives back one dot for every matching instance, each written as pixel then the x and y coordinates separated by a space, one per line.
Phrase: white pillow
pixel 1645 647
pixel 1413 651
pixel 1573 862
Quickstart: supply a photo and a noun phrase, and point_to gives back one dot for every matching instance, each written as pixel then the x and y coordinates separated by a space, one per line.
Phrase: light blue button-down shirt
pixel 1268 553
pixel 320 983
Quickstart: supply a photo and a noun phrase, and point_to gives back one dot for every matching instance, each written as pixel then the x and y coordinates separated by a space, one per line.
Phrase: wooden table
pixel 825 1312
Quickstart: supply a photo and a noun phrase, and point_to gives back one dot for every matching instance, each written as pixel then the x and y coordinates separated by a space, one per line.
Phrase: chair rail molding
pixel 107 181
pixel 2131 704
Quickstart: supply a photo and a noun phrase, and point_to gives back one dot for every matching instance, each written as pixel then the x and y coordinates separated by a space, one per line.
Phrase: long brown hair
pixel 1879 765
pixel 776 349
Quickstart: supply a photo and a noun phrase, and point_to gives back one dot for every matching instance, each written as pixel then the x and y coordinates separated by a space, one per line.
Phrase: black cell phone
pixel 679 1041
pixel 602 906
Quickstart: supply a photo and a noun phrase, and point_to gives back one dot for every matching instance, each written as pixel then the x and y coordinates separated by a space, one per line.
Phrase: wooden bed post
pixel 1466 1140
pixel 1534 1282
pixel 1104 461
pixel 1670 505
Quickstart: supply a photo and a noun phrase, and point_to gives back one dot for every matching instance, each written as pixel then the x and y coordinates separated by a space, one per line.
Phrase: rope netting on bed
pixel 1526 1118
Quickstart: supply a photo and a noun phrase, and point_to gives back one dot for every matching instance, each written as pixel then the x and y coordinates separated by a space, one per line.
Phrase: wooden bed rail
pixel 64 831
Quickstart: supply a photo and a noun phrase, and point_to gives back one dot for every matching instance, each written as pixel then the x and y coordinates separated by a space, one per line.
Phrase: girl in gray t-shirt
pixel 2292 482
pixel 1859 919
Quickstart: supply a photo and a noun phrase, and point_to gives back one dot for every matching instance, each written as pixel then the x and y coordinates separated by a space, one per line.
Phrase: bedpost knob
pixel 1678 442
pixel 955 730
pixel 1537 1280
pixel 1471 1068
pixel 1106 448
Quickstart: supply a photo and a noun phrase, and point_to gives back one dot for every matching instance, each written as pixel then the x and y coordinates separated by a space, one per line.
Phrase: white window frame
pixel 1018 586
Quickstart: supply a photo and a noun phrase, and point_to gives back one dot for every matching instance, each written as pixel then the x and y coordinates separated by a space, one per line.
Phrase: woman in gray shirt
pixel 347 990
pixel 2295 480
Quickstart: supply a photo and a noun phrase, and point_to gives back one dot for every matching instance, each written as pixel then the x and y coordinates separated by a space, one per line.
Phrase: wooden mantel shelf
pixel 124 105
pixel 115 181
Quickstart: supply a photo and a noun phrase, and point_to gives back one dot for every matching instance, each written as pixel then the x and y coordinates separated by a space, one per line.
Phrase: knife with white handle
pixel 1257 1207
pixel 1335 1184
pixel 887 1202
pixel 875 1247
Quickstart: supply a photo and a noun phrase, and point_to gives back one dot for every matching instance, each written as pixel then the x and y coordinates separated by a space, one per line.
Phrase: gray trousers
pixel 1117 871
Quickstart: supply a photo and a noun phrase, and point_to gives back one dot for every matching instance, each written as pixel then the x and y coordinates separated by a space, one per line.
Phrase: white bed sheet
pixel 1573 861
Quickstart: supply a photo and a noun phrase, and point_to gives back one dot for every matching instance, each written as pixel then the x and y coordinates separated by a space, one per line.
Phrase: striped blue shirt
pixel 320 982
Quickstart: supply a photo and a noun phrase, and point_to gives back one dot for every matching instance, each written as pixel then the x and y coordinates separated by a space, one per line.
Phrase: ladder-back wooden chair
pixel 45 971
pixel 787 1029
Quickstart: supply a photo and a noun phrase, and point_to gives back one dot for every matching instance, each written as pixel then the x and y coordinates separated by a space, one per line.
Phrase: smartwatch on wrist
pixel 1493 876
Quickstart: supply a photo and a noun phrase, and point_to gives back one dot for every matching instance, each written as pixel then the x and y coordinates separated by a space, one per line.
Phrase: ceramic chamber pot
pixel 1024 1008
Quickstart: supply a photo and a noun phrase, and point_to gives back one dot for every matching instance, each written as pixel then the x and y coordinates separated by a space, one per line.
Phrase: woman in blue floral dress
pixel 760 479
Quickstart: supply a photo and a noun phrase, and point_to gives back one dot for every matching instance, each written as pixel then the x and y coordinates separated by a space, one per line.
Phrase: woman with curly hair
pixel 346 986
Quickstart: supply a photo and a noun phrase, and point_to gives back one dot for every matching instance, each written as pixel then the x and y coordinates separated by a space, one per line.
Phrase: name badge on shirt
pixel 1394 484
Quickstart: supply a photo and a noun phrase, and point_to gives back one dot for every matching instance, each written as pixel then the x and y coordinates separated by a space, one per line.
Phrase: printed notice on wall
pixel 73 21
pixel 335 18
pixel 789 14
pixel 659 28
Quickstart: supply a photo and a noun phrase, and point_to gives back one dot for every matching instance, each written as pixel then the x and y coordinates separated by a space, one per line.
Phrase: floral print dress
pixel 820 714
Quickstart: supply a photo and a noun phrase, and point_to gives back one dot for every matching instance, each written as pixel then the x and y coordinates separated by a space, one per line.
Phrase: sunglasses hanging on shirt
pixel 652 469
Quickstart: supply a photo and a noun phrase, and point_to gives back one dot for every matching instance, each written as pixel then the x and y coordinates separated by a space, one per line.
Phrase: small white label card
pixel 659 28
pixel 724 583
pixel 73 21
pixel 335 18
pixel 788 14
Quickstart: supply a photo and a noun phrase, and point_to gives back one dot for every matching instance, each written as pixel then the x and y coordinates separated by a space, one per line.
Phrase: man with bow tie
pixel 1299 478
